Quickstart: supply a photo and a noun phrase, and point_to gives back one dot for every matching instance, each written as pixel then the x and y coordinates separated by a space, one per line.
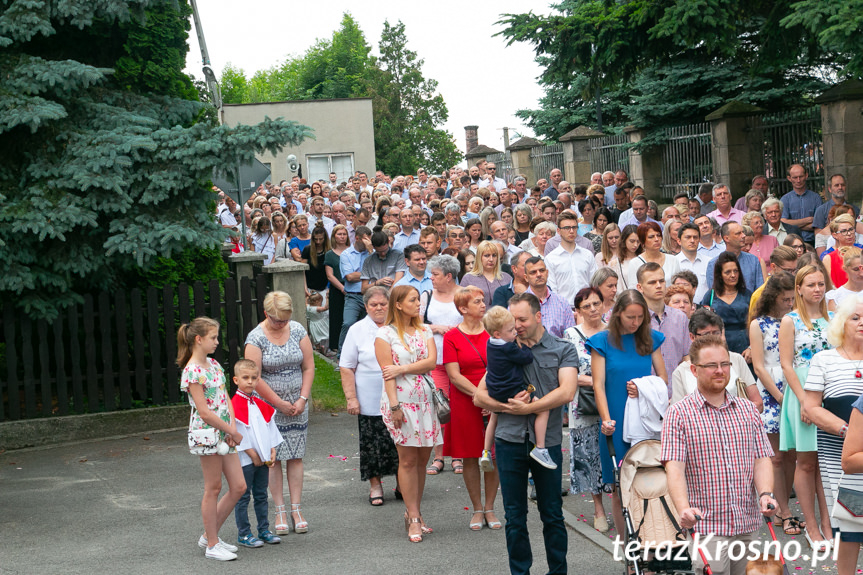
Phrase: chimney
pixel 470 136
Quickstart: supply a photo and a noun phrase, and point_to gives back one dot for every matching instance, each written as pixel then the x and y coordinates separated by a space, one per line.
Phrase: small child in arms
pixel 505 379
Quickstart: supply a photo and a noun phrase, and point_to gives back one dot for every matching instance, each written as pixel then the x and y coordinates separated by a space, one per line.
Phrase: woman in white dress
pixel 406 352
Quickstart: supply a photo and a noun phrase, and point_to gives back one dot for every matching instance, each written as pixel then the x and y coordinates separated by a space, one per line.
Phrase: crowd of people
pixel 593 304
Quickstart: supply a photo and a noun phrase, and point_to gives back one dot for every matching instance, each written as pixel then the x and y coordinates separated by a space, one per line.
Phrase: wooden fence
pixel 118 349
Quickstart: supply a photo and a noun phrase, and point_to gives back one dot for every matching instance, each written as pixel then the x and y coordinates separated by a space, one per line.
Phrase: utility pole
pixel 209 74
pixel 505 138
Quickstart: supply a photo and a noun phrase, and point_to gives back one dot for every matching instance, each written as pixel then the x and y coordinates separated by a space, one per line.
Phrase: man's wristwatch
pixel 767 493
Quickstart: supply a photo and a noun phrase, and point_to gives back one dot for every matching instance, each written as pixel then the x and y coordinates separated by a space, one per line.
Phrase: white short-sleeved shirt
pixel 258 435
pixel 358 353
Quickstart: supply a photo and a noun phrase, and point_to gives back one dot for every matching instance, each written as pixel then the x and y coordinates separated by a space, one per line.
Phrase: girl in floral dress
pixel 406 352
pixel 764 338
pixel 211 429
pixel 802 334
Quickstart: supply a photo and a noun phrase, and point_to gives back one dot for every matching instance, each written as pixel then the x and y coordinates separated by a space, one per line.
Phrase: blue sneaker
pixel 250 541
pixel 268 536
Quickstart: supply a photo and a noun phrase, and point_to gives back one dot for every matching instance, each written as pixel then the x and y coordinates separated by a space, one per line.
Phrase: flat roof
pixel 297 101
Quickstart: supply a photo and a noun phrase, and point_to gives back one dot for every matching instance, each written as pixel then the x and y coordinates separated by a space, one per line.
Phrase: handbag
pixel 741 389
pixel 848 505
pixel 206 437
pixel 439 400
pixel 586 398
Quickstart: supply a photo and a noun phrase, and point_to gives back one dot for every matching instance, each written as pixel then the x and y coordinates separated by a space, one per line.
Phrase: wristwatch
pixel 396 407
pixel 767 493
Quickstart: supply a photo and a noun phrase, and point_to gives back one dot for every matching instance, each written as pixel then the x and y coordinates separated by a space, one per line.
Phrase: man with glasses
pixel 570 266
pixel 783 259
pixel 711 430
pixel 772 210
pixel 456 237
pixel 491 180
pixel 423 178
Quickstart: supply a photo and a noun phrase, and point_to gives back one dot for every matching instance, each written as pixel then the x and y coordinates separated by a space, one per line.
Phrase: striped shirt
pixel 719 446
pixel 556 313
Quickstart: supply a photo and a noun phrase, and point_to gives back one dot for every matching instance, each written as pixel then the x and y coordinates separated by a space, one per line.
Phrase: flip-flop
pixel 433 469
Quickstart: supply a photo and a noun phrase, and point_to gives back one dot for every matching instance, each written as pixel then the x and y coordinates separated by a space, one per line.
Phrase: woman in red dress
pixel 464 356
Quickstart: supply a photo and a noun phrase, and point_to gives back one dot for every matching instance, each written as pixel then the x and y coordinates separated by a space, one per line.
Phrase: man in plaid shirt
pixel 717 459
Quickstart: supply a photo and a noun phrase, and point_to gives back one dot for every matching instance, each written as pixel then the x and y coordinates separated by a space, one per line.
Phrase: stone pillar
pixel 289 276
pixel 576 154
pixel 842 130
pixel 226 251
pixel 244 261
pixel 645 167
pixel 735 152
pixel 521 165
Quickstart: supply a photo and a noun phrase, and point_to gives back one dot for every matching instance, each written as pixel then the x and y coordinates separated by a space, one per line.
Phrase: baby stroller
pixel 649 515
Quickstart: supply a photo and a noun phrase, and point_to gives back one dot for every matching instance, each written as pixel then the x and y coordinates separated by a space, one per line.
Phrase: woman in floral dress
pixel 406 352
pixel 802 334
pixel 764 338
pixel 283 350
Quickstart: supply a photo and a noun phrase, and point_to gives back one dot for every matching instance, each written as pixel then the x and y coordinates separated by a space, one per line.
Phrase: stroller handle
pixel 610 445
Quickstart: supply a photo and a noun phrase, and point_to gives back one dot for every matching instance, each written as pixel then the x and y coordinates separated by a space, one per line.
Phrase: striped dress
pixel 835 377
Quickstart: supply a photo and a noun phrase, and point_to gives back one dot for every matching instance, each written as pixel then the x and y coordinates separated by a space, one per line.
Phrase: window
pixel 320 166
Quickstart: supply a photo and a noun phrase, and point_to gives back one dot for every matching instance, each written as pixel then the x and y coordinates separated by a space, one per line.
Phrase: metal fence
pixel 687 159
pixel 609 153
pixel 503 163
pixel 787 138
pixel 546 158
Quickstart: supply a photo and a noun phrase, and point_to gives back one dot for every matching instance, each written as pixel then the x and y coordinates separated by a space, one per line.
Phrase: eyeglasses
pixel 593 305
pixel 278 321
pixel 724 366
pixel 799 247
pixel 847 232
pixel 568 228
pixel 704 333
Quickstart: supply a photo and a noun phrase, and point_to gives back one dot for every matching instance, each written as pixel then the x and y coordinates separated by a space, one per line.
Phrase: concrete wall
pixel 340 126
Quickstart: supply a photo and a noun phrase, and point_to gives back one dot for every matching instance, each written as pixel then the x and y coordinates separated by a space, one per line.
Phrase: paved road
pixel 132 506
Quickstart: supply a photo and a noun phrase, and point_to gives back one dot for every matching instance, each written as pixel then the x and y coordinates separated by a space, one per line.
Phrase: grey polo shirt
pixel 549 354
pixel 375 268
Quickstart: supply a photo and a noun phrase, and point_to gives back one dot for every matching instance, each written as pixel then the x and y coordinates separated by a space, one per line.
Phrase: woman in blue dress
pixel 626 351
pixel 729 298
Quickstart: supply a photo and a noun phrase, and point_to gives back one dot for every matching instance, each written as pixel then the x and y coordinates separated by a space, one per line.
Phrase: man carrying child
pixel 257 453
pixel 553 372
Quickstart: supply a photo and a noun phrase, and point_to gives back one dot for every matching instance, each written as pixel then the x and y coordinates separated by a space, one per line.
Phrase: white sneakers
pixel 486 464
pixel 541 456
pixel 221 551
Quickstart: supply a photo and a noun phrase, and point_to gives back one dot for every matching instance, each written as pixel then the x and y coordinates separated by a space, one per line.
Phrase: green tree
pixel 100 175
pixel 407 110
pixel 674 61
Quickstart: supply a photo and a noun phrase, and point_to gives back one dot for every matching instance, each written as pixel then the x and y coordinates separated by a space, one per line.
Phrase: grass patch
pixel 327 394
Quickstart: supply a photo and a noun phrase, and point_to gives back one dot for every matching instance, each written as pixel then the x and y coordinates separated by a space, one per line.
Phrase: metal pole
pixel 242 209
pixel 209 74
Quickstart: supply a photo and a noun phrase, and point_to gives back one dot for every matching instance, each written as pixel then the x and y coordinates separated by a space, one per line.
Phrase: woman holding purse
pixel 585 472
pixel 834 383
pixel 406 352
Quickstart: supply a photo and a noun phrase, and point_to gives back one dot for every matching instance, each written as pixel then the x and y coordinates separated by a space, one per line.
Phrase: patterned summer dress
pixel 585 472
pixel 212 379
pixel 281 369
pixel 793 433
pixel 421 428
pixel 769 327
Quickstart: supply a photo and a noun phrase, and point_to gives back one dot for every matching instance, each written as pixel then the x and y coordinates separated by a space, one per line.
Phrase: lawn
pixel 327 394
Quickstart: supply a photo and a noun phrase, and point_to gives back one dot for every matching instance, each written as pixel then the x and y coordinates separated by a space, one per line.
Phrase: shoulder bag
pixel 586 398
pixel 206 437
pixel 439 398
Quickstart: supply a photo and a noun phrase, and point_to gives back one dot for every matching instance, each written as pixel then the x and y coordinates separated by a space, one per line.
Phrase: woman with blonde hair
pixel 852 263
pixel 802 334
pixel 842 229
pixel 280 226
pixel 486 274
pixel 406 352
pixel 608 249
pixel 283 350
pixel 824 237
pixel 339 242
pixel 262 239
pixel 762 245
pixel 474 207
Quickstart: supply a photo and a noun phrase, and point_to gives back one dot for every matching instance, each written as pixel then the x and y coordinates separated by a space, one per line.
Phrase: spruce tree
pixel 104 166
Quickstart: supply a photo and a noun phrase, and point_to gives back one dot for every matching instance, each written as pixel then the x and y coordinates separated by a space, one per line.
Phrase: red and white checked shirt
pixel 719 446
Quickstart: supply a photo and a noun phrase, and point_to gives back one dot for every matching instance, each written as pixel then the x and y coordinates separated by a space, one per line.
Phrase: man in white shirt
pixel 570 266
pixel 691 259
pixel 492 181
pixel 316 213
pixel 707 248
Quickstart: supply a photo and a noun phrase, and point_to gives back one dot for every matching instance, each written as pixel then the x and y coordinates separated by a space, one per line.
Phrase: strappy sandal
pixel 433 469
pixel 457 466
pixel 281 526
pixel 495 525
pixel 301 526
pixel 791 525
pixel 408 522
pixel 474 526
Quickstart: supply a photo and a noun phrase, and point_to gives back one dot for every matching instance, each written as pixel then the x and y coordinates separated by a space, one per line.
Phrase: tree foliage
pixel 103 164
pixel 663 62
pixel 407 109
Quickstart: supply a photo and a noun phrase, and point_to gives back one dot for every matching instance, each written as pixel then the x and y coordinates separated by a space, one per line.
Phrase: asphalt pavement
pixel 132 505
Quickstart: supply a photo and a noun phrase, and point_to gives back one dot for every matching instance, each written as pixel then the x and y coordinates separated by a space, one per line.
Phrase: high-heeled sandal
pixel 491 524
pixel 425 528
pixel 281 527
pixel 301 526
pixel 414 538
pixel 473 526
